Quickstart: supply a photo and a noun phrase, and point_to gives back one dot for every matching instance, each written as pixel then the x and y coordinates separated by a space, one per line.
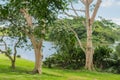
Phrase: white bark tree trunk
pixel 89 49
pixel 89 22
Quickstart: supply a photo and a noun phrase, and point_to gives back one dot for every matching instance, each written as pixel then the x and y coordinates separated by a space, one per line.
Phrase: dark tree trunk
pixel 13 64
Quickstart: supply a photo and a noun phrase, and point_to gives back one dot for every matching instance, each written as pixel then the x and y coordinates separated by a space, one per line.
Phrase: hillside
pixel 24 66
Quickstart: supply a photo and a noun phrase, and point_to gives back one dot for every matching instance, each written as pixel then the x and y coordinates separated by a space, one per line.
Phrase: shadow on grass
pixel 17 71
pixel 5 69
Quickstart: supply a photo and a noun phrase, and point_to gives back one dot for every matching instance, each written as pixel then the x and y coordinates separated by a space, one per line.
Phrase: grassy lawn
pixel 24 66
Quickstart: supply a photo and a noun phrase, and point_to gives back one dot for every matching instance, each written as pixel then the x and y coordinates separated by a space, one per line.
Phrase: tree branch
pixel 86 1
pixel 74 9
pixel 2 51
pixel 15 51
pixel 40 43
pixel 6 50
pixel 27 17
pixel 87 13
pixel 6 53
pixel 4 41
pixel 29 23
pixel 79 41
pixel 90 1
pixel 77 10
pixel 69 15
pixel 95 10
pixel 83 1
pixel 76 35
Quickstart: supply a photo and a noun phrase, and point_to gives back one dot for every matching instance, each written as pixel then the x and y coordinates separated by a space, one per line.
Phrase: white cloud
pixel 109 3
pixel 116 20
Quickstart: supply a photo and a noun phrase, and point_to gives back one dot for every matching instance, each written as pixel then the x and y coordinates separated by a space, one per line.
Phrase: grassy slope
pixel 23 66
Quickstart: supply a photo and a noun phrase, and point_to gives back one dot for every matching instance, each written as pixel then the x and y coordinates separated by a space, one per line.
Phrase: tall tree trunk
pixel 89 46
pixel 38 61
pixel 89 50
pixel 89 23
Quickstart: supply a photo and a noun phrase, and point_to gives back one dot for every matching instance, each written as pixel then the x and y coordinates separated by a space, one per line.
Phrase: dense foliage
pixel 75 59
pixel 101 54
pixel 109 62
pixel 71 56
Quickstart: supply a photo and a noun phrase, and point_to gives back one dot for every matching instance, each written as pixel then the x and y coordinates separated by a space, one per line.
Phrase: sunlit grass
pixel 23 67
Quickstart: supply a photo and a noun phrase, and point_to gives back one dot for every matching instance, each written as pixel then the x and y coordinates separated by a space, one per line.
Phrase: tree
pixel 88 24
pixel 33 18
pixel 12 35
pixel 10 31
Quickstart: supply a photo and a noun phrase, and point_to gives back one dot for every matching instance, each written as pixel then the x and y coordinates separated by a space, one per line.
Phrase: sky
pixel 109 9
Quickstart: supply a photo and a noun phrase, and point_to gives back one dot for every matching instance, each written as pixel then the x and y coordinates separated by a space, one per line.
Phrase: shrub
pixel 106 60
pixel 100 55
pixel 18 56
pixel 72 60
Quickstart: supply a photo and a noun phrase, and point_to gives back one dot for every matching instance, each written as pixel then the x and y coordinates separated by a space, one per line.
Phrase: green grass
pixel 24 66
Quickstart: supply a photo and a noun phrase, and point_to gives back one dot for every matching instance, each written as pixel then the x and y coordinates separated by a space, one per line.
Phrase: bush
pixel 114 65
pixel 73 60
pixel 101 54
pixel 106 60
pixel 18 56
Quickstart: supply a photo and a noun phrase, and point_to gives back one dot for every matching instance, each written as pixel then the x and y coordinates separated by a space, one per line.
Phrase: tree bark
pixel 13 60
pixel 89 50
pixel 89 23
pixel 89 46
pixel 37 45
pixel 38 61
pixel 13 64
